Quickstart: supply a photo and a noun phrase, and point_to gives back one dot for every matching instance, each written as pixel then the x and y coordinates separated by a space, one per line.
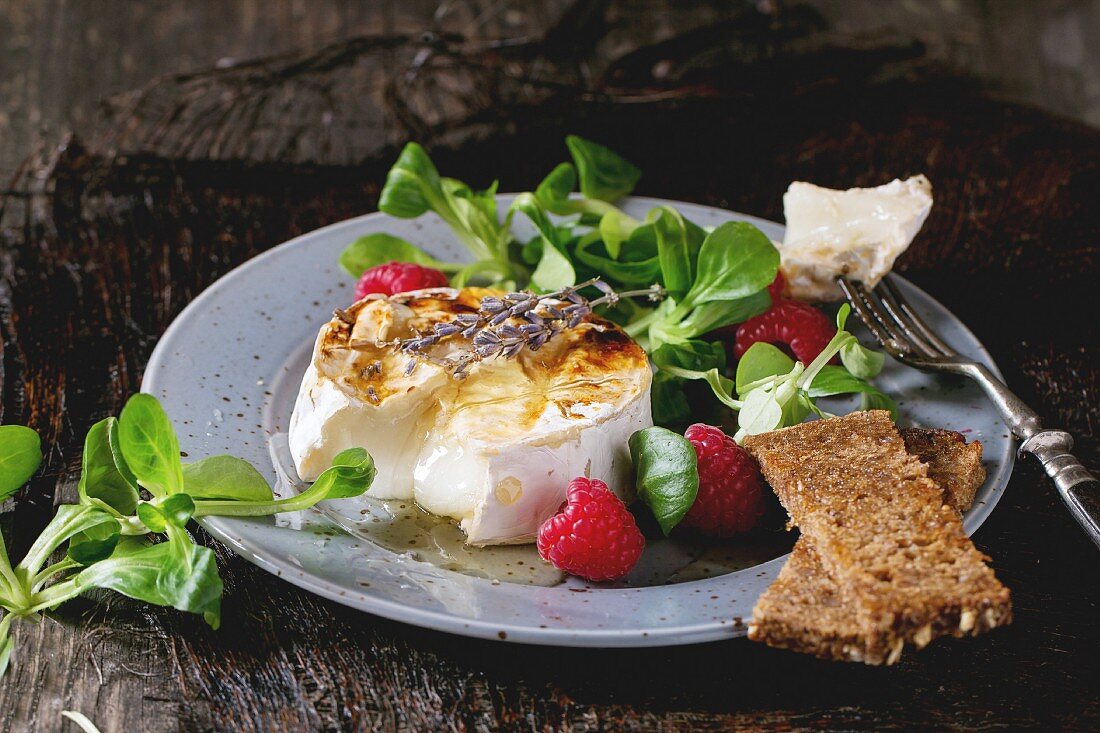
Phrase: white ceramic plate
pixel 227 371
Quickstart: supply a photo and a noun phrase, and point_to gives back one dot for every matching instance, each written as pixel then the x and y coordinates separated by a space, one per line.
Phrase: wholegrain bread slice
pixel 803 609
pixel 882 561
pixel 955 465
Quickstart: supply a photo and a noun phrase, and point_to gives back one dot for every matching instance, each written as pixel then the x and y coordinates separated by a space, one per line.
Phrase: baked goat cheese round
pixel 493 450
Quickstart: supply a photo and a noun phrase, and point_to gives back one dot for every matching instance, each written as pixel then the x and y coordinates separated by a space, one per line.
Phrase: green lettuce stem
pixel 8 579
pixel 640 326
pixel 58 567
pixel 51 538
pixel 5 626
pixel 52 596
pixel 831 349
pixel 304 500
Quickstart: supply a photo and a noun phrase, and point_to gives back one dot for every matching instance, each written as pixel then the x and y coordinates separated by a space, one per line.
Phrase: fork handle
pixel 1079 489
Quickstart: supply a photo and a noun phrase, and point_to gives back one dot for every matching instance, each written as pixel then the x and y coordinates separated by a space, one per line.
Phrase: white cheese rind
pixel 859 232
pixel 501 491
pixel 329 418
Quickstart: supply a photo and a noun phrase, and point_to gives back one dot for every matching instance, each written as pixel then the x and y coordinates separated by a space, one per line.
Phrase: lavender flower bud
pixel 484 338
pixel 487 351
pixel 523 306
pixel 553 312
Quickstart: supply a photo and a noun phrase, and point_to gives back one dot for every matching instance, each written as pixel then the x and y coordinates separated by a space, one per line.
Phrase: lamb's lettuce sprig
pixel 128 531
pixel 772 391
pixel 414 187
pixel 604 177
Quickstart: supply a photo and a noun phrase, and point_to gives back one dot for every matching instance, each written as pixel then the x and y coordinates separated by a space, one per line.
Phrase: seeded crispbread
pixel 882 560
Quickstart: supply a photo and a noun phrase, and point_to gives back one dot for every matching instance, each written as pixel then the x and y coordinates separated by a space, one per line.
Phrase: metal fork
pixel 907 338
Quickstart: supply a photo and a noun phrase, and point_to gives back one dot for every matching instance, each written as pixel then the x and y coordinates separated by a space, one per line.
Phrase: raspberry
pixel 731 497
pixel 779 284
pixel 398 277
pixel 593 535
pixel 803 329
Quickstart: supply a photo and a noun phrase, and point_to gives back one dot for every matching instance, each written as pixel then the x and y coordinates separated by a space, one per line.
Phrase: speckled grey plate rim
pixel 249 537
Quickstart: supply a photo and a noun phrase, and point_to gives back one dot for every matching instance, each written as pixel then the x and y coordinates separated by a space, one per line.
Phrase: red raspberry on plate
pixel 731 496
pixel 803 329
pixel 593 535
pixel 398 277
pixel 779 284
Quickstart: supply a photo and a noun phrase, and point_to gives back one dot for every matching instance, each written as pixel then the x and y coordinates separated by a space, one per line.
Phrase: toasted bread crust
pixel 882 561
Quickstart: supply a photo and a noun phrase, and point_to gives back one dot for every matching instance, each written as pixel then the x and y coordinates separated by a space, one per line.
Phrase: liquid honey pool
pixel 406 529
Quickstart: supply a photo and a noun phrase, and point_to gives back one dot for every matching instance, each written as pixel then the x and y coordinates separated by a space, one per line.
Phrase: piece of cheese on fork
pixel 494 450
pixel 859 233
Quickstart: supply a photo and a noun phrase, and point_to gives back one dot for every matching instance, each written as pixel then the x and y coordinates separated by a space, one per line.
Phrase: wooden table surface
pixel 108 236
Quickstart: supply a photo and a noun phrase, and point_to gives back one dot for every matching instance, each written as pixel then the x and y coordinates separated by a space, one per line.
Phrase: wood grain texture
pixel 99 252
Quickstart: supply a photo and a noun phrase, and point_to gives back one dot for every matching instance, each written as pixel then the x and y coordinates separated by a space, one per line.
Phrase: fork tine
pixel 871 315
pixel 918 324
pixel 902 317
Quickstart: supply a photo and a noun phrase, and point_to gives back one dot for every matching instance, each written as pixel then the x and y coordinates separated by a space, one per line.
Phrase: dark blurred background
pixel 59 59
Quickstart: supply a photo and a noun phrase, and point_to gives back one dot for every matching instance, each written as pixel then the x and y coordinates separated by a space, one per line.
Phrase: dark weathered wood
pixel 99 253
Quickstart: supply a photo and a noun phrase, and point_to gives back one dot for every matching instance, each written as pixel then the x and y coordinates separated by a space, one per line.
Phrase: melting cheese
pixel 495 450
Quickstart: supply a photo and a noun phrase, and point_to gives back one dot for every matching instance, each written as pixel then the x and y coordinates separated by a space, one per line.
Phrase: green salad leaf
pixel 674 250
pixel 104 473
pixel 149 445
pixel 225 477
pixel 414 187
pixel 603 174
pixel 175 511
pixel 667 474
pixel 94 543
pixel 615 230
pixel 554 270
pixel 352 473
pixel 158 574
pixel 20 455
pixel 379 248
pixel 760 362
pixel 736 261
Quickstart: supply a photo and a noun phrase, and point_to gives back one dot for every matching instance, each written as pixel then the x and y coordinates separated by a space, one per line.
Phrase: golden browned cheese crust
pixel 355 351
pixel 889 558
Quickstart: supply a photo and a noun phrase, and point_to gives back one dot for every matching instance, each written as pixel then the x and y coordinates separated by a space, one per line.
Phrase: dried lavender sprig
pixel 492 335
